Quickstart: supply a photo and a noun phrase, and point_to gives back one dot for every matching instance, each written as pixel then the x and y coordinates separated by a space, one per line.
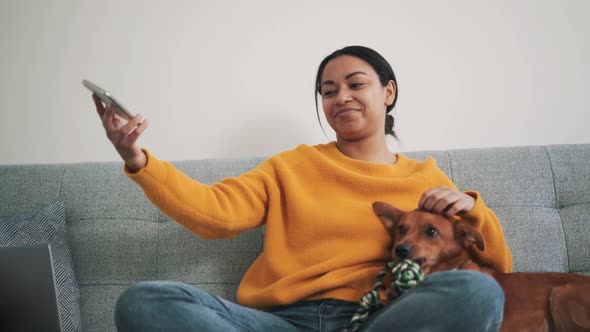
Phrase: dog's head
pixel 434 242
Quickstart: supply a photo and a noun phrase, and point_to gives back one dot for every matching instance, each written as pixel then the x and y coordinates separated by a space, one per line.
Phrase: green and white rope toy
pixel 404 276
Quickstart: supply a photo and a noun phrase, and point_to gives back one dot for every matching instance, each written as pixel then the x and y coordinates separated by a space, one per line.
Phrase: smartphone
pixel 108 99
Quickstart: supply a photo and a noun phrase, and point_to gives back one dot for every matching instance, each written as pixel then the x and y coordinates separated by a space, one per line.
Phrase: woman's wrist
pixel 135 164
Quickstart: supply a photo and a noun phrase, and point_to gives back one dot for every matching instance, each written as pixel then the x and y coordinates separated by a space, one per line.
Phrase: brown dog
pixel 534 301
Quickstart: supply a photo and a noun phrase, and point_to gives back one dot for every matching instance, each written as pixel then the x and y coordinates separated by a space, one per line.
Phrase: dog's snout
pixel 402 250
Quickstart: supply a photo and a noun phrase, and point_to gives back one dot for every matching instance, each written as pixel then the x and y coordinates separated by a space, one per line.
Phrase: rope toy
pixel 404 276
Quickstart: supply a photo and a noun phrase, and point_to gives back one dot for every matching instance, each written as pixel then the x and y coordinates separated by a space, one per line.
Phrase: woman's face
pixel 353 99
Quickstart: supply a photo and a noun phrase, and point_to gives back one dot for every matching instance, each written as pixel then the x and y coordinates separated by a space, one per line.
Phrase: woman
pixel 323 244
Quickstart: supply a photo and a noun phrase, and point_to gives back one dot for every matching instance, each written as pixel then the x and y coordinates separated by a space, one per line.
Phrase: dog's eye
pixel 431 231
pixel 401 230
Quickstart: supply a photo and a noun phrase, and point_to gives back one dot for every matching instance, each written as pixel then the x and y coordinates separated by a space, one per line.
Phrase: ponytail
pixel 389 126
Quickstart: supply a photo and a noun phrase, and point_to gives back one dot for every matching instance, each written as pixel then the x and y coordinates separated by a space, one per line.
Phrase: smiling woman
pixel 375 68
pixel 323 244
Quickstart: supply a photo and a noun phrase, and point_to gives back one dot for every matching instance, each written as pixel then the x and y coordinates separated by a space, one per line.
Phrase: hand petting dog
pixel 445 201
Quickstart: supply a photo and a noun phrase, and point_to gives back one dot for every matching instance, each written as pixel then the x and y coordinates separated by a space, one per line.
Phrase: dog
pixel 548 301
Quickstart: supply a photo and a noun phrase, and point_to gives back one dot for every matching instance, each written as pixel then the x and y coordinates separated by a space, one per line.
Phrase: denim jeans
pixel 444 301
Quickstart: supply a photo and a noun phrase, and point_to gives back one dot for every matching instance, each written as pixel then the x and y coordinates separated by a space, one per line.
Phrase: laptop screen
pixel 28 301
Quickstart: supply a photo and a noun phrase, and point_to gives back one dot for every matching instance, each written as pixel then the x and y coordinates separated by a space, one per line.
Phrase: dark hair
pixel 379 64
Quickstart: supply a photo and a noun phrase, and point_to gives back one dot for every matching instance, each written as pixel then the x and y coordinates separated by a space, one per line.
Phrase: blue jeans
pixel 444 301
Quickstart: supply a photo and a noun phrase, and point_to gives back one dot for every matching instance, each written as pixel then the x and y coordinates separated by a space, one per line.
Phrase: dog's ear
pixel 388 214
pixel 468 235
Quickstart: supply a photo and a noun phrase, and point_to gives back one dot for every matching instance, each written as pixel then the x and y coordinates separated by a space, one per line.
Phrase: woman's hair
pixel 379 64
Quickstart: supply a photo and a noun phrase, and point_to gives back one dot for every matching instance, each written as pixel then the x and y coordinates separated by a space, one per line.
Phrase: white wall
pixel 235 78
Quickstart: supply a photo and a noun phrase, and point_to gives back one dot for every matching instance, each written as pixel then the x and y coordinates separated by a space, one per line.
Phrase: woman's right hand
pixel 123 135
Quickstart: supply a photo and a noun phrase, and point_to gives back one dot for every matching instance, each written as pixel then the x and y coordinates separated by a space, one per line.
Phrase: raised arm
pixel 223 209
pixel 220 210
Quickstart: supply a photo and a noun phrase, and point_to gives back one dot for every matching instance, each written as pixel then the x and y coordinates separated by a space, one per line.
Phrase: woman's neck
pixel 374 150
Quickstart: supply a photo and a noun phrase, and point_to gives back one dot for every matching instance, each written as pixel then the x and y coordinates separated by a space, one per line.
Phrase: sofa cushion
pixel 47 225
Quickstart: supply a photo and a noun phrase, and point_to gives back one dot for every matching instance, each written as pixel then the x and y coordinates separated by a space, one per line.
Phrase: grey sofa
pixel 541 194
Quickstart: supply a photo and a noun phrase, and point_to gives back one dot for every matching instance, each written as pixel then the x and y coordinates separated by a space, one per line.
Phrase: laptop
pixel 28 300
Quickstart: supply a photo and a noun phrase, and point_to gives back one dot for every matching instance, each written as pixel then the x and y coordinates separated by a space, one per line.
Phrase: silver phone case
pixel 108 99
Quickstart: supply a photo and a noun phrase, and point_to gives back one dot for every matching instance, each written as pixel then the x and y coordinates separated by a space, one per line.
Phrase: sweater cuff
pixel 476 215
pixel 153 170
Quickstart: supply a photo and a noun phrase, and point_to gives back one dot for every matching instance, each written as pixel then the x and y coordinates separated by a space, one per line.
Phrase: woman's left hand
pixel 445 201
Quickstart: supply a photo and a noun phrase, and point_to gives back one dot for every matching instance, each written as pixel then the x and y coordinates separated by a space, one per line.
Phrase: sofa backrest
pixel 541 195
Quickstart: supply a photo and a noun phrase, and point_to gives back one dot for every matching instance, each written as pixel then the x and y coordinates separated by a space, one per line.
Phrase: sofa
pixel 541 194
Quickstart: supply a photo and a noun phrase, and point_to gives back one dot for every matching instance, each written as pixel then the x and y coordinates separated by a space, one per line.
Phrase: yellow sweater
pixel 322 237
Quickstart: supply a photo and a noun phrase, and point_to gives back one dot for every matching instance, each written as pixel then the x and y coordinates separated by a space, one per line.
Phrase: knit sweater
pixel 322 237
